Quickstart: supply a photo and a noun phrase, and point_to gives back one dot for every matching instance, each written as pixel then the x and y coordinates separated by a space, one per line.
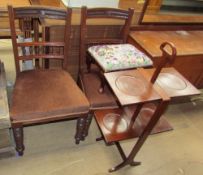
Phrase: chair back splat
pixel 25 33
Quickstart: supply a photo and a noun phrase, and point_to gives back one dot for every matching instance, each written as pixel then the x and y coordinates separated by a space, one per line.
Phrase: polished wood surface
pixel 130 87
pixel 189 44
pixel 173 83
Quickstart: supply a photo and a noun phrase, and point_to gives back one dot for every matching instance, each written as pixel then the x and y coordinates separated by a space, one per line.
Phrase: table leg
pixel 155 118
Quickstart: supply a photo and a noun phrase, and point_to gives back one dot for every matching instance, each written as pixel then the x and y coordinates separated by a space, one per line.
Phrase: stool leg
pixel 88 63
pixel 18 137
pixel 80 129
pixel 102 82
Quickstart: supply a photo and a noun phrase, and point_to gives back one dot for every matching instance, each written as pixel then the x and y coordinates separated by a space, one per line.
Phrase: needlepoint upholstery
pixel 114 57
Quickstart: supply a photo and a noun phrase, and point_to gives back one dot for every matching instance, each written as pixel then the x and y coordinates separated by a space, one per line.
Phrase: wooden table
pixel 189 44
pixel 138 87
pixel 131 88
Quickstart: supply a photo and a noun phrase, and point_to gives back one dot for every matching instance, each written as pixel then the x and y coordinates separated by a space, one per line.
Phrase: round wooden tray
pixel 130 85
pixel 171 81
pixel 114 122
pixel 145 115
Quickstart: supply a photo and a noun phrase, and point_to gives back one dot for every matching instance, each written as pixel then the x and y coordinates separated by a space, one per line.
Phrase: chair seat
pixel 90 84
pixel 40 94
pixel 119 57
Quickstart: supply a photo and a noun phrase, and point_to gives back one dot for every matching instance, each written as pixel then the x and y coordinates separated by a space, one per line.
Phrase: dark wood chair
pixel 90 79
pixel 140 99
pixel 43 95
pixel 109 52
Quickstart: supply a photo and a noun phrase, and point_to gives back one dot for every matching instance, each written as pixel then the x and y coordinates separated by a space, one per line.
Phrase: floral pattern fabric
pixel 119 57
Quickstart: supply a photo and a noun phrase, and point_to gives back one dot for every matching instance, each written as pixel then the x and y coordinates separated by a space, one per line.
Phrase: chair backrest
pixel 26 24
pixel 101 14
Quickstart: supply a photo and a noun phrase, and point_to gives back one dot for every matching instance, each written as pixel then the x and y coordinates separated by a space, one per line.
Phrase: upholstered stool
pixel 113 57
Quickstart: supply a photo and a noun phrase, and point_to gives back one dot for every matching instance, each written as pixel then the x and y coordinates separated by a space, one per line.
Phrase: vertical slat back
pixel 31 23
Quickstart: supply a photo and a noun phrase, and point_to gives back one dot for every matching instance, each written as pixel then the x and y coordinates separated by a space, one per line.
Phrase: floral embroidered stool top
pixel 119 57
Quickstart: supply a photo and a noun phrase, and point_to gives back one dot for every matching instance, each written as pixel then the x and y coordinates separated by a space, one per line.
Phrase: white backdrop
pixel 91 3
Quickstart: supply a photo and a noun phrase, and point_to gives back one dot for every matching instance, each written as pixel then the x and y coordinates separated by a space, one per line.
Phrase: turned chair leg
pixel 80 129
pixel 87 124
pixel 19 138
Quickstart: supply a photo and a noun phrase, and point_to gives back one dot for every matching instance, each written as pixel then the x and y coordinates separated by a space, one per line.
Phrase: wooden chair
pixel 109 52
pixel 139 98
pixel 43 95
pixel 90 79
